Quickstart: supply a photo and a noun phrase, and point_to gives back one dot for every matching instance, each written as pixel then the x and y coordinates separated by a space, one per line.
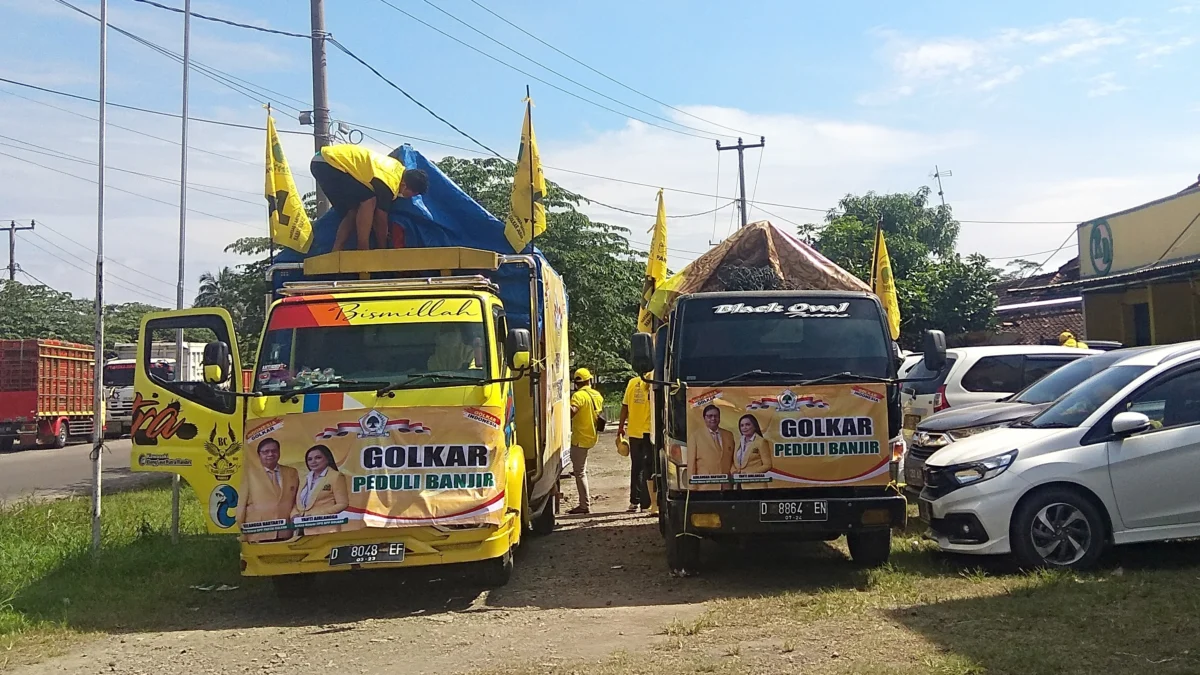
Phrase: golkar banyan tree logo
pixel 373 425
pixel 799 310
pixel 787 401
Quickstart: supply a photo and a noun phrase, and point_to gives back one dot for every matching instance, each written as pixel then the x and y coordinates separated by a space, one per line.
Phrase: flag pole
pixel 179 301
pixel 97 367
pixel 270 235
pixel 875 252
pixel 532 197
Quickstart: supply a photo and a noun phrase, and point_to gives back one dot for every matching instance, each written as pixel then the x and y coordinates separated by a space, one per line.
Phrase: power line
pixel 548 84
pixel 130 192
pixel 1023 255
pixel 545 67
pixel 23 271
pixel 1045 262
pixel 610 79
pixel 436 116
pixel 226 21
pixel 135 131
pixel 120 281
pixel 161 113
pixel 107 259
pixel 116 280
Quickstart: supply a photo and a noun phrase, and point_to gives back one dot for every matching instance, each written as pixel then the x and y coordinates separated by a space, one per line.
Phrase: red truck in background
pixel 46 392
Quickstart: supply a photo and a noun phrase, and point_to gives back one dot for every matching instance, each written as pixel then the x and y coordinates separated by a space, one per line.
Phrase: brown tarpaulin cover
pixel 759 244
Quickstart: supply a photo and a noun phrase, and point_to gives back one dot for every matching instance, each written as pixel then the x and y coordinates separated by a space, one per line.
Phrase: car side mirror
pixel 933 344
pixel 517 347
pixel 216 362
pixel 1129 423
pixel 641 352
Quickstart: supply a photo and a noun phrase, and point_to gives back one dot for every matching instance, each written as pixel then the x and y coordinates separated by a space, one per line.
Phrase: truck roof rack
pixel 443 258
pixel 467 282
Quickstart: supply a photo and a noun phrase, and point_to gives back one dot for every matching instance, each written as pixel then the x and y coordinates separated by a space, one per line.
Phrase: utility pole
pixel 98 368
pixel 183 157
pixel 320 92
pixel 741 148
pixel 937 173
pixel 13 228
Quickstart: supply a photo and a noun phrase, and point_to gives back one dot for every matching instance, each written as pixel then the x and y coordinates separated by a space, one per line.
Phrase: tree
pixel 242 292
pixel 602 274
pixel 1019 269
pixel 937 288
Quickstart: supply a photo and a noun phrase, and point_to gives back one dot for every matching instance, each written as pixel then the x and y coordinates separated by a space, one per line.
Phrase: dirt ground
pixel 598 585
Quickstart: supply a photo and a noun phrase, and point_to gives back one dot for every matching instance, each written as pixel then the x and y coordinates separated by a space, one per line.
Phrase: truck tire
pixel 870 548
pixel 7 444
pixel 683 549
pixel 292 586
pixel 60 439
pixel 498 571
pixel 543 524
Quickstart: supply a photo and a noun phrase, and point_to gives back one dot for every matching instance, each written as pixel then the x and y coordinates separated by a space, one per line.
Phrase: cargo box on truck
pixel 46 392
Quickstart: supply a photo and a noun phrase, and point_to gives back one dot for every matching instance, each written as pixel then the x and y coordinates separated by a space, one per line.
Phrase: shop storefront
pixel 1139 272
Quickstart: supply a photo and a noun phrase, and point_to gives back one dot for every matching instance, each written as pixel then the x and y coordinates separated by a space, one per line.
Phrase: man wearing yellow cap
pixel 586 405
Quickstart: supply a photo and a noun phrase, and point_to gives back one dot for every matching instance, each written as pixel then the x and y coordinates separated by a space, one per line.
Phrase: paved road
pixel 55 473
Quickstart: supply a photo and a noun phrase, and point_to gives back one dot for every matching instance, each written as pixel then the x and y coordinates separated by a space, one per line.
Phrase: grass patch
pixel 52 589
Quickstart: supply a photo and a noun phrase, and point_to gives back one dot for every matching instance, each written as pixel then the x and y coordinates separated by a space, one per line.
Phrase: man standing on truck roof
pixel 362 184
pixel 637 411
pixel 586 404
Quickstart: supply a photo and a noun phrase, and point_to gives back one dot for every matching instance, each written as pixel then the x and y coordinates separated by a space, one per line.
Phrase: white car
pixel 979 375
pixel 1115 460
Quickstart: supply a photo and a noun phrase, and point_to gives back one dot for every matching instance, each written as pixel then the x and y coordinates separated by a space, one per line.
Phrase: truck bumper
pixel 117 427
pixel 422 546
pixel 744 517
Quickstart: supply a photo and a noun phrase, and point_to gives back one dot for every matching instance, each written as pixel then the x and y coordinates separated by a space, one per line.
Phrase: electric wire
pixel 225 21
pixel 115 280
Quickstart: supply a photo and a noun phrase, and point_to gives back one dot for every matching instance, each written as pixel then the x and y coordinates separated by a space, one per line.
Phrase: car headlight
pixel 971 431
pixel 925 439
pixel 986 469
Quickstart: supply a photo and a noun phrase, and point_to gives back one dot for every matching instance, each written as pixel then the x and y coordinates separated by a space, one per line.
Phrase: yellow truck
pixel 398 417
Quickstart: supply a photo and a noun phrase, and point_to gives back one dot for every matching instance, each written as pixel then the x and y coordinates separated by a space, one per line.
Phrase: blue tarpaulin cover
pixel 443 216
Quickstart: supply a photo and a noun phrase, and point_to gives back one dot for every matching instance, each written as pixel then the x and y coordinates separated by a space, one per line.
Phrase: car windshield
pixel 376 344
pixel 1084 400
pixel 1066 378
pixel 811 336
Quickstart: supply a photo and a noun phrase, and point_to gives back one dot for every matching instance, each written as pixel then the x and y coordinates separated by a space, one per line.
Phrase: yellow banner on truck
pixel 347 469
pixel 754 438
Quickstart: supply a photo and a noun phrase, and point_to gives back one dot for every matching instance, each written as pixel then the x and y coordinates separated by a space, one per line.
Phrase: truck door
pixel 188 426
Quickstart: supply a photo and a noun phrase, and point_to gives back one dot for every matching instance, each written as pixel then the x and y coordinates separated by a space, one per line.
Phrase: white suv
pixel 1115 460
pixel 979 375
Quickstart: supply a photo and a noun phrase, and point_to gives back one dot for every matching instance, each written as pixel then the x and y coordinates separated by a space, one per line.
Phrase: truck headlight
pixel 971 473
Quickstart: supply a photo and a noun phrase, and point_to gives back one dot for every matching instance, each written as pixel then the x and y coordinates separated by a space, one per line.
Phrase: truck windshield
pixel 382 351
pixel 815 337
pixel 121 374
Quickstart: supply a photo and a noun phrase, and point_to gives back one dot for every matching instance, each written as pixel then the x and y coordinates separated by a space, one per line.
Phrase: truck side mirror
pixel 933 344
pixel 641 352
pixel 517 345
pixel 216 362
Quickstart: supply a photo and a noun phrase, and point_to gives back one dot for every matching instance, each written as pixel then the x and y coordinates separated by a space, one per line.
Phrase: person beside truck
pixel 636 417
pixel 586 405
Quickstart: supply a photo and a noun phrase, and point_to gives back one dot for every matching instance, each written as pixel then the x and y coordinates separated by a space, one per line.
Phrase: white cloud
pixel 937 59
pixel 1167 49
pixel 1185 8
pixel 1082 47
pixel 1006 77
pixel 1103 85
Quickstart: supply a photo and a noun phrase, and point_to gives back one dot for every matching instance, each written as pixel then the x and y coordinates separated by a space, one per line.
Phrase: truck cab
pixel 395 418
pixel 776 413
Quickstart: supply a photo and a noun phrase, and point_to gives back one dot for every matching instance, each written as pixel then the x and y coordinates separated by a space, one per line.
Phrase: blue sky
pixel 1052 112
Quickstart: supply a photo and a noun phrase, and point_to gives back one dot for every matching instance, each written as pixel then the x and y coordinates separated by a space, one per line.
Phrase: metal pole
pixel 937 173
pixel 183 145
pixel 741 148
pixel 320 92
pixel 97 370
pixel 12 251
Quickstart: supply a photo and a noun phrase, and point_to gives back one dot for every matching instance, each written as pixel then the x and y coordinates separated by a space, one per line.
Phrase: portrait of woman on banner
pixel 752 454
pixel 323 491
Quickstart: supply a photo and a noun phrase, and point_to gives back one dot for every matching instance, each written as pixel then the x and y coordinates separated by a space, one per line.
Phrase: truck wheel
pixel 7 444
pixel 870 548
pixel 683 549
pixel 498 571
pixel 292 586
pixel 544 523
pixel 60 439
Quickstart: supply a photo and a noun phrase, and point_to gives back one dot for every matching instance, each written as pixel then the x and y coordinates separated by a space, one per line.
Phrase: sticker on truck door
pixel 772 437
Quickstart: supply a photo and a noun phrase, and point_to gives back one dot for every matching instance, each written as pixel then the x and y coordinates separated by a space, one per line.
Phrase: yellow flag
pixel 656 267
pixel 884 285
pixel 527 219
pixel 289 221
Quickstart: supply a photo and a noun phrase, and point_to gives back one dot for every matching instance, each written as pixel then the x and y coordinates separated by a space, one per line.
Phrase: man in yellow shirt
pixel 636 409
pixel 362 184
pixel 586 405
pixel 1068 339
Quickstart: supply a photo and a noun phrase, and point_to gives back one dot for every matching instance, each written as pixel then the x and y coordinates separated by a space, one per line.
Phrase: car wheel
pixel 7 444
pixel 870 548
pixel 683 548
pixel 60 439
pixel 1058 528
pixel 543 524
